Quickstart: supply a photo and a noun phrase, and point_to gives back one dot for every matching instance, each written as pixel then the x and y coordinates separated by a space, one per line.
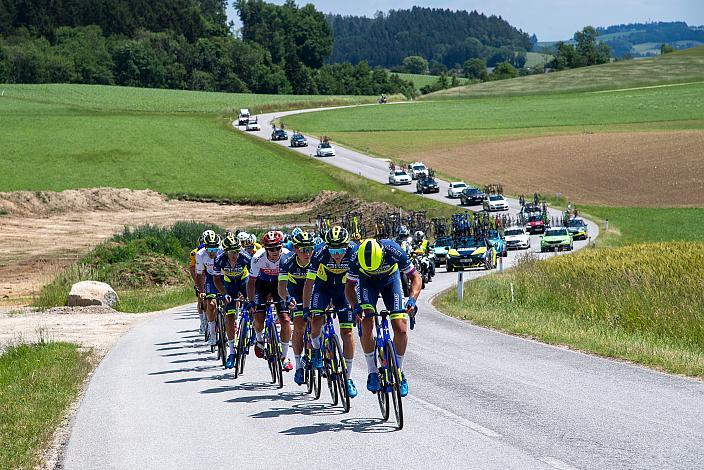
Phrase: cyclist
pixel 356 238
pixel 233 267
pixel 292 275
pixel 253 240
pixel 205 270
pixel 404 238
pixel 192 271
pixel 376 271
pixel 262 286
pixel 325 285
pixel 289 242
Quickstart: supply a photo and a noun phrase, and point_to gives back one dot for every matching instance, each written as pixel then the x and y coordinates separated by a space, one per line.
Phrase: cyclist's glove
pixel 283 306
pixel 306 313
pixel 290 301
pixel 411 303
pixel 250 305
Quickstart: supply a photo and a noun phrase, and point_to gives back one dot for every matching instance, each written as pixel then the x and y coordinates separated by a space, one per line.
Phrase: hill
pixel 677 67
pixel 449 37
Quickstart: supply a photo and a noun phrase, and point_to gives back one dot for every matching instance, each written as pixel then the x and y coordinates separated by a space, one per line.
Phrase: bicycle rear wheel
pixel 340 368
pixel 394 374
pixel 329 371
pixel 275 362
pixel 383 394
pixel 222 338
pixel 240 355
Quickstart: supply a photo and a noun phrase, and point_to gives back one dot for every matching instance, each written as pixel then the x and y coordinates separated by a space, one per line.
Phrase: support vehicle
pixel 471 252
pixel 556 239
pixel 517 238
pixel 398 176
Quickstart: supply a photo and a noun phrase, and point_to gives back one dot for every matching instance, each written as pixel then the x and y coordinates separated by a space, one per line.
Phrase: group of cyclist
pixel 304 276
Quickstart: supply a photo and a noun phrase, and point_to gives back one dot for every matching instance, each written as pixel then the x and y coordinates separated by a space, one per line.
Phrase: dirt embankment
pixel 646 169
pixel 43 232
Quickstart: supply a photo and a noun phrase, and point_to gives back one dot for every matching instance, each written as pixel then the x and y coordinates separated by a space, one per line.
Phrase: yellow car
pixel 471 252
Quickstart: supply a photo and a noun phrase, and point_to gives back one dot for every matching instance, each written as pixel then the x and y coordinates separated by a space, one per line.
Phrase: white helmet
pixel 243 237
pixel 419 235
pixel 253 238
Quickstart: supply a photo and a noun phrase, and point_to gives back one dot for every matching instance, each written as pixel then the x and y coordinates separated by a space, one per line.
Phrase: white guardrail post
pixel 501 264
pixel 460 286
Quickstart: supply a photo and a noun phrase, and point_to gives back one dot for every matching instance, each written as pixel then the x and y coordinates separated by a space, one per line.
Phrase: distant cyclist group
pixel 287 289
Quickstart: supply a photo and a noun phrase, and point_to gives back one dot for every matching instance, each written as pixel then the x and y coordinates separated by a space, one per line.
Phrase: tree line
pixel 148 44
pixel 441 35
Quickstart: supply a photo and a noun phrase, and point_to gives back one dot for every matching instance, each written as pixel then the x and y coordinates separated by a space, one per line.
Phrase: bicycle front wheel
pixel 327 351
pixel 240 353
pixel 394 375
pixel 340 374
pixel 383 393
pixel 222 339
pixel 275 362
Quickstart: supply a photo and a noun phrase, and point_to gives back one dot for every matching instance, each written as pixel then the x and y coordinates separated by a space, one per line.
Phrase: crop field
pixel 677 67
pixel 637 147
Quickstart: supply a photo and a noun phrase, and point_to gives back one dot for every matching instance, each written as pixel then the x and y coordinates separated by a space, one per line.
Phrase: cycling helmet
pixel 272 238
pixel 231 243
pixel 370 255
pixel 337 237
pixel 248 243
pixel 253 237
pixel 227 234
pixel 403 231
pixel 303 240
pixel 295 232
pixel 419 235
pixel 211 240
pixel 243 237
pixel 356 236
pixel 207 234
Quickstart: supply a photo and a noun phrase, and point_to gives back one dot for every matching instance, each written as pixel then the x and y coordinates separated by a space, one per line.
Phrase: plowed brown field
pixel 646 169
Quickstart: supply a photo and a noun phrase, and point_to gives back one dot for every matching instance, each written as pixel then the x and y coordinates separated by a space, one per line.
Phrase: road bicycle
pixel 221 335
pixel 245 340
pixel 334 366
pixel 273 346
pixel 390 375
pixel 313 376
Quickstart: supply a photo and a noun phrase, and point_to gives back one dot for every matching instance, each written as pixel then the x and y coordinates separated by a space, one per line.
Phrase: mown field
pixel 677 67
pixel 424 80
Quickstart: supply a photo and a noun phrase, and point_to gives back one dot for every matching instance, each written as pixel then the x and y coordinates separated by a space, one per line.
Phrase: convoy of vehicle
pixel 298 140
pixel 556 239
pixel 417 169
pixel 243 118
pixel 472 196
pixel 517 238
pixel 325 149
pixel 471 252
pixel 535 224
pixel 497 241
pixel 253 124
pixel 495 202
pixel 398 177
pixel 279 134
pixel 578 228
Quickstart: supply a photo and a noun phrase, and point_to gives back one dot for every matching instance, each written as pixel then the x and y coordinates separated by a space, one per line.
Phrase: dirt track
pixel 653 169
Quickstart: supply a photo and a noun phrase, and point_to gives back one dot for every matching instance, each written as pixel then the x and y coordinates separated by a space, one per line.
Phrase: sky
pixel 550 20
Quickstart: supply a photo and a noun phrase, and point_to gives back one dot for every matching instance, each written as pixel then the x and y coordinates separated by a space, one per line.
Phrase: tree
pixel 520 60
pixel 588 51
pixel 666 48
pixel 436 68
pixel 503 71
pixel 475 68
pixel 415 64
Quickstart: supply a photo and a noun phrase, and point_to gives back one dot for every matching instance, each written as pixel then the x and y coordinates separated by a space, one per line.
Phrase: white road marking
pixel 456 418
pixel 556 463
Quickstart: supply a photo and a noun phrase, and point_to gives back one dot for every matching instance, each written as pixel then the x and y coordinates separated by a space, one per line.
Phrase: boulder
pixel 86 293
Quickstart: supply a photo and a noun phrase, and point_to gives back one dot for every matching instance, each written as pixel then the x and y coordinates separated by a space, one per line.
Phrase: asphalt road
pixel 479 399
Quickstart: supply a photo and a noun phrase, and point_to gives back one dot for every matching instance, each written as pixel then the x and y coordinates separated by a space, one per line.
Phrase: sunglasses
pixel 306 249
pixel 212 250
pixel 273 248
pixel 337 251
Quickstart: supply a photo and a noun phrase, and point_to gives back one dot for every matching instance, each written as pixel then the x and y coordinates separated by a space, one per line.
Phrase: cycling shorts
pixel 326 294
pixel 210 290
pixel 390 290
pixel 235 290
pixel 297 295
pixel 265 291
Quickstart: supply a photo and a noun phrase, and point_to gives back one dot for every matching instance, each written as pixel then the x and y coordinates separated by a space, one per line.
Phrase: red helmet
pixel 272 238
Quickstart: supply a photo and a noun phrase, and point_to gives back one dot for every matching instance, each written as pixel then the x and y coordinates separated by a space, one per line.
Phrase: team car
pixel 517 238
pixel 243 119
pixel 578 228
pixel 455 189
pixel 253 124
pixel 442 246
pixel 417 169
pixel 535 224
pixel 279 134
pixel 325 149
pixel 498 242
pixel 556 239
pixel 399 176
pixel 495 202
pixel 427 184
pixel 471 252
pixel 298 140
pixel 471 196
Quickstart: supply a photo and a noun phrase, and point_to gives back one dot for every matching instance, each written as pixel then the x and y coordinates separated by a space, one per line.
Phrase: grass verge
pixel 646 312
pixel 155 298
pixel 37 384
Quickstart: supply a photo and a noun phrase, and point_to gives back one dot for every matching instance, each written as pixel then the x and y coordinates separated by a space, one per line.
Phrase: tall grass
pixel 639 302
pixel 37 383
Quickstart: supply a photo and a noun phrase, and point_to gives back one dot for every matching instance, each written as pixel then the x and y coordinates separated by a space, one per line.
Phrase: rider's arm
pixel 192 272
pixel 311 275
pixel 416 284
pixel 218 284
pixel 351 292
pixel 250 288
pixel 308 292
pixel 200 272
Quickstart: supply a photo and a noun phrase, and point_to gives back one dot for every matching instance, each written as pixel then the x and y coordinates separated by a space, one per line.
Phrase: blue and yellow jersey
pixel 323 268
pixel 395 258
pixel 291 270
pixel 233 272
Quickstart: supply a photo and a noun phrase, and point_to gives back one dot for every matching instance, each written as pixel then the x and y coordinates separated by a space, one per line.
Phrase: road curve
pixel 479 399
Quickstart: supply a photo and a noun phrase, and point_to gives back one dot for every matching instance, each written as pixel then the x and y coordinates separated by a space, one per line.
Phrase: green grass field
pixel 677 67
pixel 424 80
pixel 37 384
pixel 536 59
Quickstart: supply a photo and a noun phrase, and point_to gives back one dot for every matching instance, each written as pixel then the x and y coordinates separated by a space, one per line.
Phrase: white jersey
pixel 264 269
pixel 205 262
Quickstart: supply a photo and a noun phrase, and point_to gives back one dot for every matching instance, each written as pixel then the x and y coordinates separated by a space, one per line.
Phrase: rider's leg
pixel 285 322
pixel 319 302
pixel 393 301
pixel 299 327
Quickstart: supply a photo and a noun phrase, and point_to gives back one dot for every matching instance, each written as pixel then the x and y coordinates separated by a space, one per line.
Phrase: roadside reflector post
pixel 606 225
pixel 501 264
pixel 460 286
pixel 513 299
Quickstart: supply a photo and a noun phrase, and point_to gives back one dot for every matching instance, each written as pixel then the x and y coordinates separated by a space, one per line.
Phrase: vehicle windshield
pixel 459 185
pixel 468 242
pixel 492 234
pixel 428 180
pixel 472 191
pixel 535 218
pixel 513 231
pixel 325 145
pixel 556 232
pixel 575 223
pixel 443 241
pixel 400 173
pixel 418 167
pixel 496 198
